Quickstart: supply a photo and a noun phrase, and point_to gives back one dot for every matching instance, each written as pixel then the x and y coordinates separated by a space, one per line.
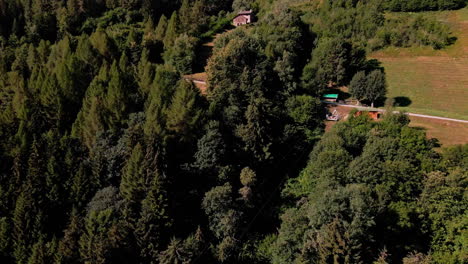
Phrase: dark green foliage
pixel 369 87
pixel 376 86
pixel 67 251
pixel 429 5
pixel 211 148
pixel 132 185
pixel 181 55
pixel 388 168
pixel 240 5
pixel 412 30
pixel 332 64
pixel 109 154
pixel 153 225
pixel 172 30
pixel 363 24
pixel 223 219
pixel 303 109
pixel 186 251
pixel 352 21
pixel 161 28
pixel 357 86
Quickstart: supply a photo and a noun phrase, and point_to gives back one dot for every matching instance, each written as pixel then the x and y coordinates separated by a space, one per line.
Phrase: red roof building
pixel 243 18
pixel 375 115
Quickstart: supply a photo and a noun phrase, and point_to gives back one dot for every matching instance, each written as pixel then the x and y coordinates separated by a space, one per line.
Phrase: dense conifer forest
pixel 109 155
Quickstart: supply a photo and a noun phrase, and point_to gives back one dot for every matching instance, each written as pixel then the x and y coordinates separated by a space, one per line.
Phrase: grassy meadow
pixel 428 81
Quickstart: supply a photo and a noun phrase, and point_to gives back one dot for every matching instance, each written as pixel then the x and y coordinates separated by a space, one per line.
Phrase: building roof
pixel 331 96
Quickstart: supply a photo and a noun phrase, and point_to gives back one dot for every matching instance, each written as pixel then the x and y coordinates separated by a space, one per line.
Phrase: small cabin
pixel 330 97
pixel 243 18
pixel 374 115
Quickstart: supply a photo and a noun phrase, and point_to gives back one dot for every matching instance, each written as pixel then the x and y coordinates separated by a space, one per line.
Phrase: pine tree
pixel 51 101
pixel 5 238
pixel 174 254
pixel 134 47
pixel 211 148
pixel 185 15
pixel 159 97
pixel 43 252
pixel 102 237
pixel 154 222
pixel 172 30
pixel 116 98
pixel 87 54
pixel 91 118
pixel 67 252
pixel 161 28
pixel 82 186
pixel 102 43
pixel 133 184
pixel 184 112
pixel 146 71
pixel 23 217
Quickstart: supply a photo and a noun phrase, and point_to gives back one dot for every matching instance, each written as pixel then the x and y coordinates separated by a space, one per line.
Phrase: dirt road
pixel 410 114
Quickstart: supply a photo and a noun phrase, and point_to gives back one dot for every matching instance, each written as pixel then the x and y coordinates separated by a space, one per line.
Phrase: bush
pixel 428 5
pixel 407 31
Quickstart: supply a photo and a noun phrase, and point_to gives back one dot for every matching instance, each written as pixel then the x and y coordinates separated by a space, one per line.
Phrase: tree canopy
pixel 111 153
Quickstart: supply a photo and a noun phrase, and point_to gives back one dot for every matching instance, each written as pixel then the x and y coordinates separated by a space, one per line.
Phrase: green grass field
pixel 434 81
pixel 434 85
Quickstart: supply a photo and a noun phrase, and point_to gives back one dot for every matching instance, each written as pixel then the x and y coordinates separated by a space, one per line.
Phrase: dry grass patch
pixel 448 133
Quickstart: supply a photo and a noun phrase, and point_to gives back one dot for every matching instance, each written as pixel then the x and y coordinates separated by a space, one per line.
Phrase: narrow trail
pixel 410 114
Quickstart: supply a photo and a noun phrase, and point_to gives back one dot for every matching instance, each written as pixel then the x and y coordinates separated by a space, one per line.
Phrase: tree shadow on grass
pixel 452 40
pixel 402 101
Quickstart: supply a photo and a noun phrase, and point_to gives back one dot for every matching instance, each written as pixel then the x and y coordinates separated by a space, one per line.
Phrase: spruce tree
pixel 133 184
pixel 92 117
pixel 152 226
pixel 23 226
pixel 158 99
pixel 161 28
pixel 52 101
pixel 172 30
pixel 5 237
pixel 116 98
pixel 184 111
pixel 87 54
pixel 67 252
pixel 146 71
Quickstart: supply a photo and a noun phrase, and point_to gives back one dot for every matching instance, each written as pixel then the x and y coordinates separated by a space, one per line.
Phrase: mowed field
pixel 433 82
pixel 434 85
